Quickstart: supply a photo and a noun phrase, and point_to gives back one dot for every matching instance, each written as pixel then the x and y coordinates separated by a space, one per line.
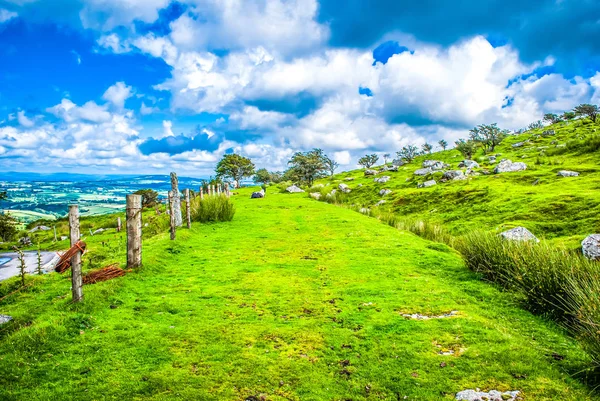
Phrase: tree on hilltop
pixel 588 110
pixel 386 157
pixel 551 118
pixel 331 165
pixel 489 136
pixel 262 176
pixel 408 153
pixel 368 160
pixel 467 148
pixel 443 144
pixel 426 147
pixel 235 167
pixel 307 166
pixel 568 115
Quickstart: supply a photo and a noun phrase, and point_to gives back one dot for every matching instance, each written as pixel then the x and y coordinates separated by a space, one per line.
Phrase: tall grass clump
pixel 422 228
pixel 212 209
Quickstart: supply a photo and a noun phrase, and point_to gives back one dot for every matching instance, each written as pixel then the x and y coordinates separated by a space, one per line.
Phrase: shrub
pixel 212 209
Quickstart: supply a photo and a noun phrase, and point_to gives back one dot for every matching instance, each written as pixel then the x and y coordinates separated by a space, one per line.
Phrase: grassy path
pixel 293 300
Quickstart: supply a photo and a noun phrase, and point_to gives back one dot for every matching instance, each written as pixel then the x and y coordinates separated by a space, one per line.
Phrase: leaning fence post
pixel 133 221
pixel 188 209
pixel 118 224
pixel 172 216
pixel 227 189
pixel 55 239
pixel 201 193
pixel 76 279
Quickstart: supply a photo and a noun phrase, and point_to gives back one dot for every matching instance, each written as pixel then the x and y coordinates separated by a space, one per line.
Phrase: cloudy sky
pixel 150 86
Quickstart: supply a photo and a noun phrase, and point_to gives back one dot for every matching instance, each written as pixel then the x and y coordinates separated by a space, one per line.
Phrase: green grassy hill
pixel 563 209
pixel 292 300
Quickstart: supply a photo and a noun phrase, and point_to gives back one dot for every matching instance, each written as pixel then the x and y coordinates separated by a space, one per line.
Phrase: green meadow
pixel 291 300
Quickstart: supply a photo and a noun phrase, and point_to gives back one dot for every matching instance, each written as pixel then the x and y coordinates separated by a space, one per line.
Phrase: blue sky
pixel 148 86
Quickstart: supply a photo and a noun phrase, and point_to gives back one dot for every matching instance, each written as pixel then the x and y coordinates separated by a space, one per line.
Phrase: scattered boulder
pixel 434 164
pixel 385 192
pixel 259 194
pixel 519 234
pixel 492 159
pixel 423 171
pixel 5 319
pixel 344 188
pixel 549 132
pixel 382 180
pixel 468 164
pixel 25 241
pixel 507 166
pixel 349 179
pixel 40 228
pixel 315 195
pixel 393 168
pixel 294 189
pixel 492 395
pixel 398 162
pixel 426 184
pixel 518 144
pixel 567 173
pixel 453 174
pixel 591 247
pixel 370 172
pixel 381 202
pixel 418 316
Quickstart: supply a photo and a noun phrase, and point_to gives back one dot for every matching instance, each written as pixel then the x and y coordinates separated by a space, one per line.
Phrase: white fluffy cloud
pixel 6 15
pixel 117 94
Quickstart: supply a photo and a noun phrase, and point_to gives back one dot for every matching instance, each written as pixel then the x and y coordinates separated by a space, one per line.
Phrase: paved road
pixel 11 267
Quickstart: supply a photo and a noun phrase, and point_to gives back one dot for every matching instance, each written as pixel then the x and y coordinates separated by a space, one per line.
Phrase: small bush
pixel 212 209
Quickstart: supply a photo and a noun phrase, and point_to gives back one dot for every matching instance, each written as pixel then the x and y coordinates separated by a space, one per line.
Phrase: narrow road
pixel 9 263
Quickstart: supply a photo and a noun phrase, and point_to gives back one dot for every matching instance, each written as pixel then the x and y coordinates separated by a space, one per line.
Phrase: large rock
pixel 507 166
pixel 398 162
pixel 259 194
pixel 468 164
pixel 423 171
pixel 492 395
pixel 591 247
pixel 344 188
pixel 370 172
pixel 427 184
pixel 382 180
pixel 519 234
pixel 385 192
pixel 518 144
pixel 435 164
pixel 294 189
pixel 453 174
pixel 567 173
pixel 393 168
pixel 5 319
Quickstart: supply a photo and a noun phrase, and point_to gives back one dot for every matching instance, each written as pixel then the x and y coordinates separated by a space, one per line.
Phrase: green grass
pixel 291 300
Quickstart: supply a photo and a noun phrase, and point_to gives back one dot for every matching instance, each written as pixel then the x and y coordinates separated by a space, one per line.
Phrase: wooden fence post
pixel 76 279
pixel 201 193
pixel 188 209
pixel 175 200
pixel 227 189
pixel 55 238
pixel 172 215
pixel 133 221
pixel 118 224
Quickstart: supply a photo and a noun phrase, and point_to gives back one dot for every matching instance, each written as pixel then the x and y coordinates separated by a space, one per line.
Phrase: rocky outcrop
pixel 344 188
pixel 426 184
pixel 382 180
pixel 507 166
pixel 567 173
pixel 492 395
pixel 453 174
pixel 519 234
pixel 5 319
pixel 398 162
pixel 591 247
pixel 294 189
pixel 370 172
pixel 468 164
pixel 259 194
pixel 385 192
pixel 423 171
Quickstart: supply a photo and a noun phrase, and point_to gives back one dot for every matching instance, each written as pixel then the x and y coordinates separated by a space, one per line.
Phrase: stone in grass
pixel 294 189
pixel 382 180
pixel 507 166
pixel 453 174
pixel 492 395
pixel 591 247
pixel 567 173
pixel 370 172
pixel 423 171
pixel 349 179
pixel 426 184
pixel 5 319
pixel 381 202
pixel 492 159
pixel 418 316
pixel 344 188
pixel 434 164
pixel 385 192
pixel 468 164
pixel 519 234
pixel 393 168
pixel 315 195
pixel 257 195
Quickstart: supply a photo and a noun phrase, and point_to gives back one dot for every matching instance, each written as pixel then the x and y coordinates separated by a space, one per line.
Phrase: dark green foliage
pixel 235 167
pixel 466 148
pixel 149 197
pixel 8 227
pixel 212 209
pixel 368 160
pixel 552 118
pixel 443 144
pixel 587 110
pixel 488 136
pixel 306 167
pixel 426 148
pixel 408 153
pixel 262 176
